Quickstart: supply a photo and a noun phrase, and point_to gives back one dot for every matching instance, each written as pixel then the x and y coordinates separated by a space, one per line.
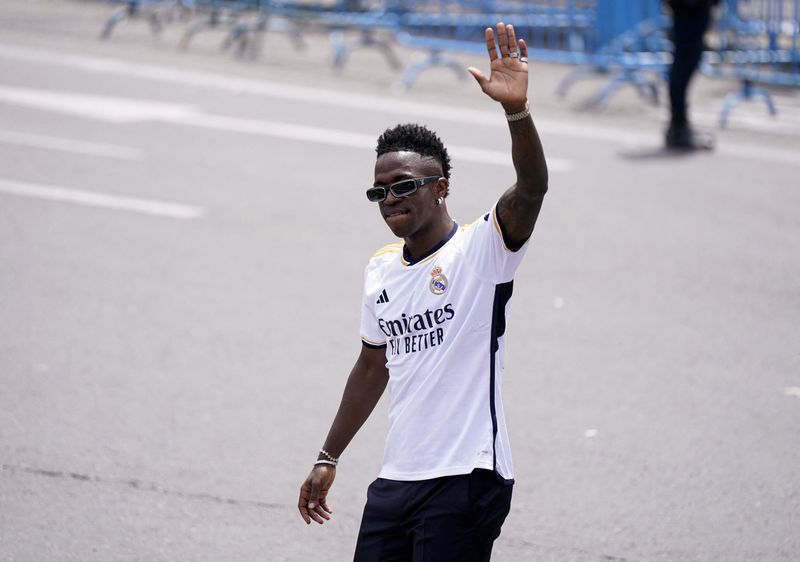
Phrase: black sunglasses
pixel 402 188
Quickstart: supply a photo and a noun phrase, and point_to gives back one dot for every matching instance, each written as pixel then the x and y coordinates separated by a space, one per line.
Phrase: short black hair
pixel 415 138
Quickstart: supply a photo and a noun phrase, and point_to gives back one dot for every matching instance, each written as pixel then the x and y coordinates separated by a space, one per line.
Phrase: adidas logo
pixel 384 298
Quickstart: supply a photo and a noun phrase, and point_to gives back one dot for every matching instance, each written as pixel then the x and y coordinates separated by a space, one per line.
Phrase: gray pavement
pixel 182 239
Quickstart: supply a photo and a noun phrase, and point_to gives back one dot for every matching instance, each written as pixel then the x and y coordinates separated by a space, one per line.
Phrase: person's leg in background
pixel 690 22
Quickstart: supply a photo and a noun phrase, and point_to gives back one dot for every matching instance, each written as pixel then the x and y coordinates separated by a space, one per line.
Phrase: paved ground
pixel 182 237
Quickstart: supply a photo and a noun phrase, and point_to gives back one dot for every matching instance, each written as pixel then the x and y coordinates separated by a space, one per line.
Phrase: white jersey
pixel 442 321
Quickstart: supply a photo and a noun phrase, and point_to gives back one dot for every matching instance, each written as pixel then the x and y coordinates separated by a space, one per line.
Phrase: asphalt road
pixel 182 240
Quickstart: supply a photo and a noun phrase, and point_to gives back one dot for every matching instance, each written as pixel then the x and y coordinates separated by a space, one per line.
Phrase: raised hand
pixel 508 80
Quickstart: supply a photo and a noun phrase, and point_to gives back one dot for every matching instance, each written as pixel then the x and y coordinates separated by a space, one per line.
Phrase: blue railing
pixel 754 41
pixel 758 44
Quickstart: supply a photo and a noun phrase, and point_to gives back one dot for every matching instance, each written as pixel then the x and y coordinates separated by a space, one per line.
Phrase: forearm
pixel 364 387
pixel 527 155
pixel 518 208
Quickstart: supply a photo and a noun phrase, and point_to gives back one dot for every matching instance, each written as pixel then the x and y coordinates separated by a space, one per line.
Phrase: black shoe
pixel 682 137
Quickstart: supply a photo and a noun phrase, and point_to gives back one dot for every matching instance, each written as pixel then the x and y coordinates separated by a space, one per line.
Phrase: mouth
pixel 394 213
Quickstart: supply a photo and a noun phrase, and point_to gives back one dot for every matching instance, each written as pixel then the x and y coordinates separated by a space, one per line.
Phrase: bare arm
pixel 364 387
pixel 518 208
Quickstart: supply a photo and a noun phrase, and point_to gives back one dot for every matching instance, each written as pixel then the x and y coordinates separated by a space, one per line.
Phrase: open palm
pixel 508 80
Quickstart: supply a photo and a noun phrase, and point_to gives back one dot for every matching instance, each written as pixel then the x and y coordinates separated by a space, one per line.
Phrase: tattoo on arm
pixel 517 217
pixel 518 208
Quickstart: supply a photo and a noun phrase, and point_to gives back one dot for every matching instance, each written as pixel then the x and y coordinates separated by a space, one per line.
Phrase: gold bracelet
pixel 521 115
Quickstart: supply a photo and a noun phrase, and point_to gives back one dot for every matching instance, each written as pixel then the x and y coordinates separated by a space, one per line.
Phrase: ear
pixel 441 187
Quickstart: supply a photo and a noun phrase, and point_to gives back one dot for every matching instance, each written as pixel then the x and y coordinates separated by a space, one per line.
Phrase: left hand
pixel 508 81
pixel 313 504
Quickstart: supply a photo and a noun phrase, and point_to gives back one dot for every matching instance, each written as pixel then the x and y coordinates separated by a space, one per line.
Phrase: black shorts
pixel 448 518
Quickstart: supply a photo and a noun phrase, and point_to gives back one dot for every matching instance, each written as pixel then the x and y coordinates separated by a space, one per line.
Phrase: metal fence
pixel 754 42
pixel 598 35
pixel 757 43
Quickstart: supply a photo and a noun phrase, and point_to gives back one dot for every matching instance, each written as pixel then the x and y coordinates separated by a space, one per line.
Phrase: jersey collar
pixel 408 260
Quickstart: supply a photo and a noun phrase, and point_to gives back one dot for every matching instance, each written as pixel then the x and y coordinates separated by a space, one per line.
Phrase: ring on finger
pixel 523 59
pixel 513 54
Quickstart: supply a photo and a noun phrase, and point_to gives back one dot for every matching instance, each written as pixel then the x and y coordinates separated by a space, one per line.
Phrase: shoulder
pixel 482 223
pixel 469 226
pixel 387 251
pixel 380 265
pixel 384 256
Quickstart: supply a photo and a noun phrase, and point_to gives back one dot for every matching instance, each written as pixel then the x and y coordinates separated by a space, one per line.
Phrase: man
pixel 690 19
pixel 433 320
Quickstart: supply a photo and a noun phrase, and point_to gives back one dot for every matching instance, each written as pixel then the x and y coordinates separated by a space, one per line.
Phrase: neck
pixel 421 242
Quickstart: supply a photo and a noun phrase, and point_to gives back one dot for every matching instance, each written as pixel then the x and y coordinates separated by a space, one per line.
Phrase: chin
pixel 401 227
pixel 399 231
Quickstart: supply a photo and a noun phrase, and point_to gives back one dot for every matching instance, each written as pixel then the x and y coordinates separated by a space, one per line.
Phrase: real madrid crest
pixel 438 283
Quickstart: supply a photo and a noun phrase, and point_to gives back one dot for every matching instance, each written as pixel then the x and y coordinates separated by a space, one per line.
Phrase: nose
pixel 390 199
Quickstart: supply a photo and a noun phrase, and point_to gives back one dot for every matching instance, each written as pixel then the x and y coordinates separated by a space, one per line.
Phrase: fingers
pixel 523 48
pixel 319 515
pixel 313 500
pixel 490 46
pixel 318 508
pixel 320 505
pixel 502 39
pixel 507 43
pixel 509 46
pixel 319 512
pixel 302 503
pixel 512 39
pixel 479 77
pixel 313 505
pixel 323 503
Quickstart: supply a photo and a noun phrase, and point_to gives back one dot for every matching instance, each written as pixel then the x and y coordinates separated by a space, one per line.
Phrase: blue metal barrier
pixel 758 43
pixel 602 36
pixel 242 19
pixel 375 22
pixel 629 42
pixel 251 18
pixel 154 11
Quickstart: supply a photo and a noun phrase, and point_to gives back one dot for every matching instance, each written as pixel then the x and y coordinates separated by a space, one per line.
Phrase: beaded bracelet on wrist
pixel 329 456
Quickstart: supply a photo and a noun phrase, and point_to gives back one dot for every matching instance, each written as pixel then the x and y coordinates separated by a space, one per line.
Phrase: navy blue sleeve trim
pixel 372 346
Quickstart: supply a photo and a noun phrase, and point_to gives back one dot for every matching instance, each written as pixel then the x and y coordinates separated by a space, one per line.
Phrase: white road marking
pixel 319 96
pixel 125 110
pixel 754 152
pixel 289 131
pixel 339 137
pixel 103 200
pixel 105 108
pixel 70 145
pixel 754 113
pixel 241 85
pixel 363 102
